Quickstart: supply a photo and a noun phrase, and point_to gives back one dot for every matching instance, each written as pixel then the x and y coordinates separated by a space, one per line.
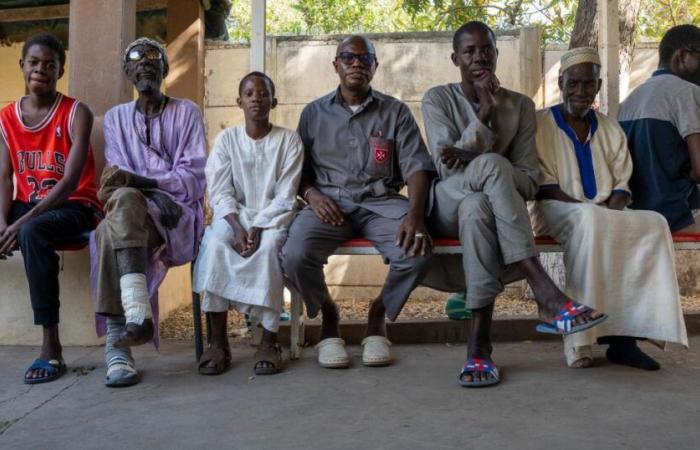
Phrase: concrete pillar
pixel 98 34
pixel 531 64
pixel 185 37
pixel 609 47
pixel 257 36
pixel 99 31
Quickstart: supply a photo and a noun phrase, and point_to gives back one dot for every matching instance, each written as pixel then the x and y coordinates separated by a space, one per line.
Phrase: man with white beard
pixel 153 192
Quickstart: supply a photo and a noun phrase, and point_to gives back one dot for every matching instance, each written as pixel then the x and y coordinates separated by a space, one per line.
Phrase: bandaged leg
pixel 134 295
pixel 578 357
pixel 121 369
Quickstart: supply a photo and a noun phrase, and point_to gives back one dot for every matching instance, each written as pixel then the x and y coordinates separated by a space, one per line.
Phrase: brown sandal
pixel 269 361
pixel 219 356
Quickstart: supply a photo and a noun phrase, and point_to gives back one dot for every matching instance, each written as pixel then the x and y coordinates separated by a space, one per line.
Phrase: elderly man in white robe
pixel 617 260
pixel 253 175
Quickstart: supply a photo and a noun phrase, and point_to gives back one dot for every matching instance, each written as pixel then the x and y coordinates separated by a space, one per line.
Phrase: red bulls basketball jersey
pixel 39 153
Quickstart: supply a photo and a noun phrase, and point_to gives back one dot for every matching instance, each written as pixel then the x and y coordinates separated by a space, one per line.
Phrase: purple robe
pixel 178 134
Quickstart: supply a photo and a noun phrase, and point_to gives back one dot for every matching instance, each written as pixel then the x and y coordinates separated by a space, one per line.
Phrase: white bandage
pixel 135 298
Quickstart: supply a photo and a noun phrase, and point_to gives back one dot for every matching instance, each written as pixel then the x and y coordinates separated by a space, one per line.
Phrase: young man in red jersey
pixel 45 148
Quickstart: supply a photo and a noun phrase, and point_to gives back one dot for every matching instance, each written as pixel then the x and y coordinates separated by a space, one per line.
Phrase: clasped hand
pixel 245 243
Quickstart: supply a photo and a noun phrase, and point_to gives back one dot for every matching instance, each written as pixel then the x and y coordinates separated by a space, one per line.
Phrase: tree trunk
pixel 585 33
pixel 629 13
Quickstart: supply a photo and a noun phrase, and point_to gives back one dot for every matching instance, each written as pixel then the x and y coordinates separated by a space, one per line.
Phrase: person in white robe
pixel 253 175
pixel 616 259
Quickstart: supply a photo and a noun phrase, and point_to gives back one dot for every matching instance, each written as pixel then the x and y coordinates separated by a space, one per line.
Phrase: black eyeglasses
pixel 150 53
pixel 347 58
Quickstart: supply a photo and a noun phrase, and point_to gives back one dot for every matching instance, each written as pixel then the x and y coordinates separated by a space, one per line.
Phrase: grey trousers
pixel 311 241
pixel 485 207
pixel 127 224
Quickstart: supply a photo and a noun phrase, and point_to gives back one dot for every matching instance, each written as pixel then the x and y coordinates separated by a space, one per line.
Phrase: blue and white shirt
pixel 589 171
pixel 657 117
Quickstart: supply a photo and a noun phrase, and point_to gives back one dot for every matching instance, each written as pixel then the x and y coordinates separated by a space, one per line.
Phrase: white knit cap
pixel 579 56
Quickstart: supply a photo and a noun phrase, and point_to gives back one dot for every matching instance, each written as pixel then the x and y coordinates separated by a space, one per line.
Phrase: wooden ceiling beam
pixel 62 11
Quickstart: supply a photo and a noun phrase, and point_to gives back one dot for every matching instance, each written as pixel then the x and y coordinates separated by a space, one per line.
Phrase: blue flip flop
pixel 563 321
pixel 54 368
pixel 474 365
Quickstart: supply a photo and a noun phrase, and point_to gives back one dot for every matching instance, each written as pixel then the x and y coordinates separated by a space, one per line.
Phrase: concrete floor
pixel 416 403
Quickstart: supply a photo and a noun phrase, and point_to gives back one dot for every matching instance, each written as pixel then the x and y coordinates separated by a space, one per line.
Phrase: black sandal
pixel 269 362
pixel 134 335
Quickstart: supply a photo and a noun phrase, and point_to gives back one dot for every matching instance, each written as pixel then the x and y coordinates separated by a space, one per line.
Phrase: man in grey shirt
pixel 361 147
pixel 482 138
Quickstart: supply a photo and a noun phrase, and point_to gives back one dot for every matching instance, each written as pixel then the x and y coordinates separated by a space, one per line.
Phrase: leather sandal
pixel 269 361
pixel 219 356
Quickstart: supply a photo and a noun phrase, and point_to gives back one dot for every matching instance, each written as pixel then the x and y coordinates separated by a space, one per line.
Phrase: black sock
pixel 624 350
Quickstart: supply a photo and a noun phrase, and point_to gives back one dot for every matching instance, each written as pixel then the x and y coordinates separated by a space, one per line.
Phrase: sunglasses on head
pixel 366 59
pixel 149 53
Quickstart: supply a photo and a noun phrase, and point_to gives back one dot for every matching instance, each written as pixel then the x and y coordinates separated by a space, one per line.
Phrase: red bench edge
pixel 539 240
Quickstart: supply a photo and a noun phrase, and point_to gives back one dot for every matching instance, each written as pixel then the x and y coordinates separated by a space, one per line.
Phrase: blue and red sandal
pixel 474 365
pixel 563 321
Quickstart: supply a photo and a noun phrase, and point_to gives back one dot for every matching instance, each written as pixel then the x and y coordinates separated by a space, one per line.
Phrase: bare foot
pixel 269 355
pixel 218 338
pixel 548 296
pixel 582 363
pixel 51 349
pixel 479 345
pixel 481 352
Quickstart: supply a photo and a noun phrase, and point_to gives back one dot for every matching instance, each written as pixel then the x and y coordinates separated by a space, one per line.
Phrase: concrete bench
pixel 444 246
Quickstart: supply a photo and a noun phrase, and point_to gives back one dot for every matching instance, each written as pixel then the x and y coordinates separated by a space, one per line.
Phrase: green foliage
pixel 312 17
pixel 554 17
pixel 345 16
pixel 657 16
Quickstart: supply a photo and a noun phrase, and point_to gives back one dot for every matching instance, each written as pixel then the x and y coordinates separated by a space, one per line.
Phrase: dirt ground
pixel 179 324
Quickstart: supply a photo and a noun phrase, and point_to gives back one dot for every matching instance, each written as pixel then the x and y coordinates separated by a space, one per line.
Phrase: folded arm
pixel 442 133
